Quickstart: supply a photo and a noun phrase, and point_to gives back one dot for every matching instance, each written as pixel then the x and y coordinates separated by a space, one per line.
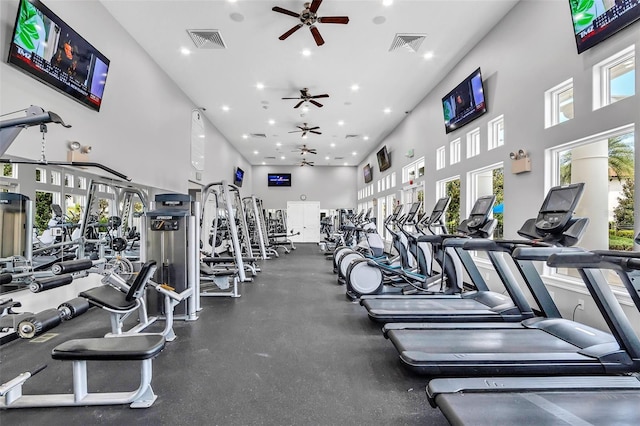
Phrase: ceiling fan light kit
pixel 309 17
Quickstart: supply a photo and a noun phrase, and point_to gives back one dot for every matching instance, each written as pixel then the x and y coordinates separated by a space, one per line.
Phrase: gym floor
pixel 291 351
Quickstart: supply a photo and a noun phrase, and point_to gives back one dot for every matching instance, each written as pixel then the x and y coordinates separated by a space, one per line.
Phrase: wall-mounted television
pixel 368 173
pixel 46 48
pixel 279 179
pixel 465 103
pixel 384 161
pixel 597 20
pixel 238 176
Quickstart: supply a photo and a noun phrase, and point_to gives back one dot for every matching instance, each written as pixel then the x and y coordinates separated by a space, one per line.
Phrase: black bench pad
pixel 137 347
pixel 108 296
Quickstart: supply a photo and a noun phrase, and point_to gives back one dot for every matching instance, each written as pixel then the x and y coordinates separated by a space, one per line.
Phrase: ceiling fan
pixel 309 18
pixel 306 129
pixel 305 150
pixel 304 162
pixel 306 97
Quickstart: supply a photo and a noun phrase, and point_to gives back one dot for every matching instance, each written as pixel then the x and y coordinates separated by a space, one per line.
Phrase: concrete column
pixel 590 164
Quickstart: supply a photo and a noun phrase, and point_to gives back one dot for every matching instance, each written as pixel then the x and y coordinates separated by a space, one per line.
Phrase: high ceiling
pixel 240 86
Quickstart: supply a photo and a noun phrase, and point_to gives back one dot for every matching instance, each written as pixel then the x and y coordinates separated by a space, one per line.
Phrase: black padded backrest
pixel 137 288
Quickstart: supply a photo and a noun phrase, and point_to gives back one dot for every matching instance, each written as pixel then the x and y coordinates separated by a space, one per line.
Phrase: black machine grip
pixel 49 283
pixel 71 266
pixel 5 278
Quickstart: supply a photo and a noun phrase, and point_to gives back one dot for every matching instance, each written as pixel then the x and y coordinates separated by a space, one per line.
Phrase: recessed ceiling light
pixel 304 137
pixel 185 51
pixel 245 136
pixel 263 163
pixel 225 107
pixel 256 152
pixel 346 164
pixel 272 121
pixel 278 144
pixel 282 158
pixel 306 52
pixel 327 157
pixel 305 109
pixel 387 2
pixel 201 136
pixel 366 138
pixel 333 145
pixel 428 55
pixel 387 110
pixel 355 87
pixel 259 86
pixel 341 123
pixel 378 20
pixel 354 153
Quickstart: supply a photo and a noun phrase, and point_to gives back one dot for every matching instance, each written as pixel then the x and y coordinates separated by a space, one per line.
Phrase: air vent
pixel 269 158
pixel 338 158
pixel 407 42
pixel 258 135
pixel 350 136
pixel 207 39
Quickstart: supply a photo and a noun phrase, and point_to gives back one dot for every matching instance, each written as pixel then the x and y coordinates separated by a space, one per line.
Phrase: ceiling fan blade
pixel 312 151
pixel 285 11
pixel 313 131
pixel 295 131
pixel 319 96
pixel 315 4
pixel 334 20
pixel 311 164
pixel 291 31
pixel 304 133
pixel 290 98
pixel 316 103
pixel 298 104
pixel 314 128
pixel 316 35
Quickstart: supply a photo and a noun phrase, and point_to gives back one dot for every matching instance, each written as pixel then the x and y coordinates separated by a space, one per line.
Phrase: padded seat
pixel 109 297
pixel 131 348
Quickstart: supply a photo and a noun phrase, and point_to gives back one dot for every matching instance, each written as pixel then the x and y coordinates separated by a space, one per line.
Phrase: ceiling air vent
pixel 408 42
pixel 207 39
pixel 258 135
pixel 269 158
pixel 350 136
pixel 338 158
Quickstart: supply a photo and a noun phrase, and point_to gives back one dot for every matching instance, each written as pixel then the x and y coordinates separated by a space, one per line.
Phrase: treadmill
pixel 549 400
pixel 535 346
pixel 481 305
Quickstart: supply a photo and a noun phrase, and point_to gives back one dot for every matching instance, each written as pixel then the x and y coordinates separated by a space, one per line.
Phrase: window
pixel 614 78
pixel 55 177
pixel 495 130
pixel 473 143
pixel 393 180
pixel 441 161
pixel 81 183
pixel 451 188
pixel 9 171
pixel 558 103
pixel 41 175
pixel 454 151
pixel 412 171
pixel 605 163
pixel 68 180
pixel 488 181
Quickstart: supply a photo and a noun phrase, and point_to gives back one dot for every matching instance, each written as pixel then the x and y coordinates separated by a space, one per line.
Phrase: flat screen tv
pixel 368 173
pixel 384 161
pixel 238 177
pixel 279 179
pixel 597 20
pixel 45 47
pixel 465 103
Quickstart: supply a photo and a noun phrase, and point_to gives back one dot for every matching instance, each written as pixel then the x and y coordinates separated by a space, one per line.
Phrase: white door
pixel 304 218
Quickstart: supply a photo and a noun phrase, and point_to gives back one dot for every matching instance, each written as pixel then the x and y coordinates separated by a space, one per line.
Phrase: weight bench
pixel 120 304
pixel 124 348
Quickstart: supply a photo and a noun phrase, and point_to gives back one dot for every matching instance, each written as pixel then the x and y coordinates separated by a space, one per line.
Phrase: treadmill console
pixel 558 207
pixel 480 212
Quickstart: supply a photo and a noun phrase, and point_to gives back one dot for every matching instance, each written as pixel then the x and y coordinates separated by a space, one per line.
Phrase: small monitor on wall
pixel 238 177
pixel 465 103
pixel 279 179
pixel 45 47
pixel 384 161
pixel 595 21
pixel 368 173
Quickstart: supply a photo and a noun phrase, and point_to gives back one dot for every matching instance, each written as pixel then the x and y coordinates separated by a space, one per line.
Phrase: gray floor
pixel 291 351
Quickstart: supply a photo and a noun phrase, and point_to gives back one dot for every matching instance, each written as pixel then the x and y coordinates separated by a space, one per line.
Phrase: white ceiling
pixel 356 53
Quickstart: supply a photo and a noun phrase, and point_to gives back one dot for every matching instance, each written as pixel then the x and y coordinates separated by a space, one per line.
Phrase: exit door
pixel 304 217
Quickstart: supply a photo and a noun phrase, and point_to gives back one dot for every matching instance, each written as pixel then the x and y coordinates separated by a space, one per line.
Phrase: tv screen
pixel 238 176
pixel 596 20
pixel 45 47
pixel 562 198
pixel 368 173
pixel 279 179
pixel 384 162
pixel 465 103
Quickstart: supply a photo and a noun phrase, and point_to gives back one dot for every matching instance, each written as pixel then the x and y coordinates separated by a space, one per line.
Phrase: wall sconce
pixel 77 151
pixel 520 162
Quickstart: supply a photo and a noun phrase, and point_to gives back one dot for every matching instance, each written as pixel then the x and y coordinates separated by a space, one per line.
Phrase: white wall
pixel 143 128
pixel 334 187
pixel 530 51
